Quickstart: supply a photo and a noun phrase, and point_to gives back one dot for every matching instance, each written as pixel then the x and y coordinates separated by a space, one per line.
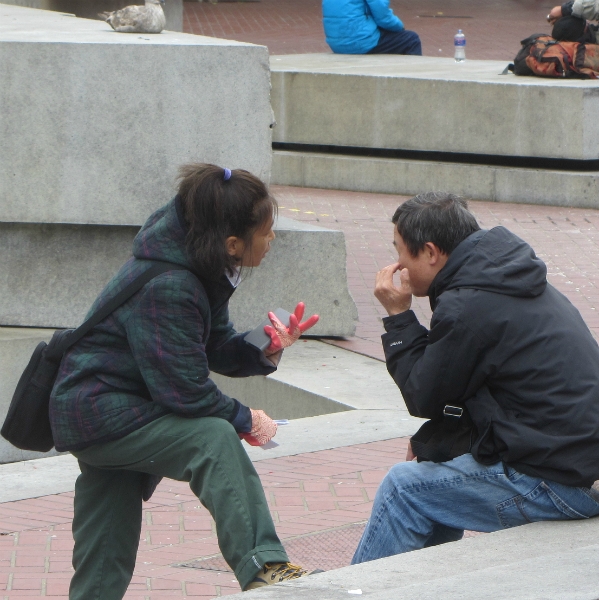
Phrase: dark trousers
pixel 205 452
pixel 398 42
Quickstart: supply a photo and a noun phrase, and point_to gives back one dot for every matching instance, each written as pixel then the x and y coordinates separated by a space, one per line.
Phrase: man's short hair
pixel 437 217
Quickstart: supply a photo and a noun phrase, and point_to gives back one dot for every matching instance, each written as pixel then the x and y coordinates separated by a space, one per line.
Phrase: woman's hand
pixel 263 429
pixel 283 337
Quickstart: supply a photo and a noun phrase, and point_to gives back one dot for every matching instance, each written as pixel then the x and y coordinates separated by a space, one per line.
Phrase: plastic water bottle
pixel 459 42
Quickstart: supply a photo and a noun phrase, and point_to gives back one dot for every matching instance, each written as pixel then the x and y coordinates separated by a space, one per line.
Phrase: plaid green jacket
pixel 152 356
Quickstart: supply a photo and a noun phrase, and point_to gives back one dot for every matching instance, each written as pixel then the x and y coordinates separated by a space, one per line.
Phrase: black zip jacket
pixel 513 350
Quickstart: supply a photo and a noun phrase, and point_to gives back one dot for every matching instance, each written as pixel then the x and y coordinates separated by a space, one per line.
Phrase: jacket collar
pixel 453 264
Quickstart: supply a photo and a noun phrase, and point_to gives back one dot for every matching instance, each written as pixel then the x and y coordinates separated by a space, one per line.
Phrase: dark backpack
pixel 27 423
pixel 544 56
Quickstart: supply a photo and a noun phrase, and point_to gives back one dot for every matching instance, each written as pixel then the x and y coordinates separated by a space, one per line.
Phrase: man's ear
pixel 434 254
pixel 235 247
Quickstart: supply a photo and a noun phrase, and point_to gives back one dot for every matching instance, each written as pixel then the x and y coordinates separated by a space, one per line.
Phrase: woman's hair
pixel 217 204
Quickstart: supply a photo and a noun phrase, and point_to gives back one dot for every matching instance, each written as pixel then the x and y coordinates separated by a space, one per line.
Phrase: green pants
pixel 207 453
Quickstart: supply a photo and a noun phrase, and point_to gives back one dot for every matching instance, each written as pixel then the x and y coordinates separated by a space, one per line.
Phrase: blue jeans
pixel 398 42
pixel 424 504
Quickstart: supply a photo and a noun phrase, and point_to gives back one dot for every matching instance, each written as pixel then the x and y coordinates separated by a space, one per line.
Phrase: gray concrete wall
pixel 50 275
pixel 95 123
pixel 434 104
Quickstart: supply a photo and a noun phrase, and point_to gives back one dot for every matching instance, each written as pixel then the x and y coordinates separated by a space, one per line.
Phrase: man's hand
pixel 394 299
pixel 410 453
pixel 554 14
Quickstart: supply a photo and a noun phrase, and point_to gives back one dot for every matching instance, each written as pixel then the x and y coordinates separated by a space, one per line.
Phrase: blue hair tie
pixel 227 174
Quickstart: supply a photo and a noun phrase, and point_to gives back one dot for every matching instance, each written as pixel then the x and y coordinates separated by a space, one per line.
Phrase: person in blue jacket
pixel 366 27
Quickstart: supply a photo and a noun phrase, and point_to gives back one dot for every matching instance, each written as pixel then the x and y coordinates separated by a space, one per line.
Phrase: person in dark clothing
pixel 133 400
pixel 509 348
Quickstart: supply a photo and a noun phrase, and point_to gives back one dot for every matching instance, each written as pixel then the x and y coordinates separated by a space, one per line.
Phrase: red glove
pixel 283 337
pixel 263 429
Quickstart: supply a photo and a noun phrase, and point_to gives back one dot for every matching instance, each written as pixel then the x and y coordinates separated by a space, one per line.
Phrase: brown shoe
pixel 277 572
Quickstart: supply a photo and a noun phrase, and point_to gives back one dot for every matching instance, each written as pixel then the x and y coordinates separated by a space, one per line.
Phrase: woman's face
pixel 260 246
pixel 252 255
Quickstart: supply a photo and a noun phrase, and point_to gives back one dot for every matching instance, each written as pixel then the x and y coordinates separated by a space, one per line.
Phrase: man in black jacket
pixel 509 348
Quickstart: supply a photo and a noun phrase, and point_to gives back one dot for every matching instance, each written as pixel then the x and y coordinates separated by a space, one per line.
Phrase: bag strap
pixel 124 295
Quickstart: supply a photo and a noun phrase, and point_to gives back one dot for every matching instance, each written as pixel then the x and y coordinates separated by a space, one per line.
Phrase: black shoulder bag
pixel 27 423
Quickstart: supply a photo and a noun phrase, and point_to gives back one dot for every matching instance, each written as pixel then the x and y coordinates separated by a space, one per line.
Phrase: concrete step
pixel 579 189
pixel 541 561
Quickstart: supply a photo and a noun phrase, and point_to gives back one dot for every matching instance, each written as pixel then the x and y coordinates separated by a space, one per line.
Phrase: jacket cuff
pixel 241 419
pixel 400 321
pixel 567 9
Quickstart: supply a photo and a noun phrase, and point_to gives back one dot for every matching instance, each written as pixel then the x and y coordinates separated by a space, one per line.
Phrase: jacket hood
pixel 493 260
pixel 163 236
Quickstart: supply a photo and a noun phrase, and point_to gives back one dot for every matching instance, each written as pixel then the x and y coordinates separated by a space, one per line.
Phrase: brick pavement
pixel 317 497
pixel 567 239
pixel 493 29
pixel 323 493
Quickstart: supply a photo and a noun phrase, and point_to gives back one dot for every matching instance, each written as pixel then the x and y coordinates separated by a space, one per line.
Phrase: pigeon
pixel 137 19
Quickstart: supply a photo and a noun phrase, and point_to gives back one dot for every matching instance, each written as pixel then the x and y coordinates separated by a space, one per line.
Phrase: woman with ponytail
pixel 133 400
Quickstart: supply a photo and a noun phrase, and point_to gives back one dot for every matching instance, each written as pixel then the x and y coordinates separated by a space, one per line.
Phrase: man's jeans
pixel 425 504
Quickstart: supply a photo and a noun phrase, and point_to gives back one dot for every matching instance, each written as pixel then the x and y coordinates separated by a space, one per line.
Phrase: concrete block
pixel 50 275
pixel 95 123
pixel 410 177
pixel 430 104
pixel 89 9
pixel 306 263
pixel 16 347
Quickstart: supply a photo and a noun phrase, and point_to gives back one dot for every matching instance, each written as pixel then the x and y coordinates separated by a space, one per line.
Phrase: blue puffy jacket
pixel 353 26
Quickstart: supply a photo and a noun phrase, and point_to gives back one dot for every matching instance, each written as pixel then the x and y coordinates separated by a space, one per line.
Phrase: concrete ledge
pixel 430 104
pixel 51 274
pixel 96 123
pixel 552 561
pixel 410 177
